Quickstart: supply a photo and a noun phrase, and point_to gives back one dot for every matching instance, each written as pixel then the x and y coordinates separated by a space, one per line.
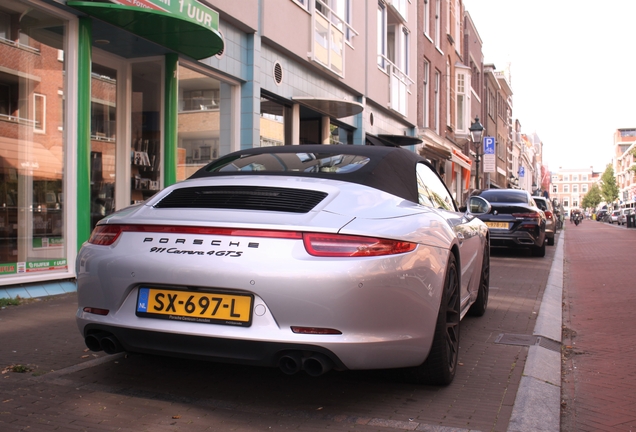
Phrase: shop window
pixel 199 121
pixel 272 124
pixel 32 207
pixel 103 141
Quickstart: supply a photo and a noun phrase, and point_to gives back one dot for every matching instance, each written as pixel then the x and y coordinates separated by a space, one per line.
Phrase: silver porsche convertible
pixel 307 258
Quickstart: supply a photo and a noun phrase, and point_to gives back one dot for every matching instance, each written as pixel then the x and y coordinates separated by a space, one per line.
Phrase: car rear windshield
pixel 494 195
pixel 291 162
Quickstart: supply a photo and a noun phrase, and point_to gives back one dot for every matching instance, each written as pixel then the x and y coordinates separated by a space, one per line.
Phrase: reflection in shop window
pixel 32 208
pixel 199 127
pixel 272 124
pixel 39 113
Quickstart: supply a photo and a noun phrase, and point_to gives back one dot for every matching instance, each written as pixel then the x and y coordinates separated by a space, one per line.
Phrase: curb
pixel 537 405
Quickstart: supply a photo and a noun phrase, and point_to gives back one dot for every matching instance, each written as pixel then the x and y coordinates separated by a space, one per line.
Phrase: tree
pixel 633 167
pixel 593 197
pixel 609 189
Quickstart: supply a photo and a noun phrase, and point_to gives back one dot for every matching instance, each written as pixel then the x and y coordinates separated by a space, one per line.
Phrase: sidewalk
pixel 599 371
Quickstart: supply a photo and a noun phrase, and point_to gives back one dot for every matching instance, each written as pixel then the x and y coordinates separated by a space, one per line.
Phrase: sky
pixel 572 67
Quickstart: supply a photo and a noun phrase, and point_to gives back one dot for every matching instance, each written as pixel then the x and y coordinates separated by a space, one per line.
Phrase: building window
pixel 575 177
pixel 457 27
pixel 584 177
pixel 436 109
pixel 449 88
pixel 331 24
pixel 39 113
pixel 425 94
pixel 393 55
pixel 427 17
pixel 438 24
pixel 461 102
pixel 584 188
pixel 566 202
pixel 381 29
pixel 575 188
pixel 566 188
pixel 555 189
pixel 33 212
pixel 566 177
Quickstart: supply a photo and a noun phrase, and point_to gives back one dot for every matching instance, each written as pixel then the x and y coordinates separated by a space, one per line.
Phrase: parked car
pixel 614 216
pixel 514 220
pixel 601 215
pixel 550 218
pixel 306 257
pixel 622 217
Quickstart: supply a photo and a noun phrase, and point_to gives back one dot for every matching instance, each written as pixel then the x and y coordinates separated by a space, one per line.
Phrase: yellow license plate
pixel 191 306
pixel 501 225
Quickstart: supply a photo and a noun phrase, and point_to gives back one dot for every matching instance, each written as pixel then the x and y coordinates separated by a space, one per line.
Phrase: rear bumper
pixel 517 239
pixel 253 353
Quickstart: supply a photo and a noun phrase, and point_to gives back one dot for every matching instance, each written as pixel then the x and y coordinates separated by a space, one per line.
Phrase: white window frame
pixel 438 24
pixel 334 23
pixel 575 188
pixel 457 32
pixel 449 87
pixel 42 127
pixel 566 188
pixel 584 188
pixel 381 32
pixel 463 83
pixel 438 90
pixel 426 93
pixel 428 4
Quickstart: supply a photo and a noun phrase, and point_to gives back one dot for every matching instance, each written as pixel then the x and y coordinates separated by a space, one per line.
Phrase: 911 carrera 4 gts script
pixel 231 254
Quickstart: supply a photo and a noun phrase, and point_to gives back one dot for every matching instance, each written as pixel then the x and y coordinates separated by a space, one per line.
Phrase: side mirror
pixel 477 205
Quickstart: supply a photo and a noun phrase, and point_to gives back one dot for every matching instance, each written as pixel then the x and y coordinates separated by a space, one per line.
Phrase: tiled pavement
pixel 599 380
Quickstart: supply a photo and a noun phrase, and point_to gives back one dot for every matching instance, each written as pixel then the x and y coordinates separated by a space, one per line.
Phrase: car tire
pixel 481 303
pixel 441 364
pixel 550 241
pixel 539 251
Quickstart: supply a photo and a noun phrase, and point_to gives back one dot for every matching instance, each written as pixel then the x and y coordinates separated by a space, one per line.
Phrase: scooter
pixel 577 219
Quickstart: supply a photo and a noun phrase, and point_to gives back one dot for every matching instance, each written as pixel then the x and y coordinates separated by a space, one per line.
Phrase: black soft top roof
pixel 390 169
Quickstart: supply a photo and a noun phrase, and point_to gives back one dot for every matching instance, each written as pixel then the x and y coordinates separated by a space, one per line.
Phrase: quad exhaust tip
pixel 103 341
pixel 315 365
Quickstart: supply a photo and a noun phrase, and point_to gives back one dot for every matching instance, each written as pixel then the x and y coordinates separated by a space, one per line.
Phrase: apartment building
pixel 569 186
pixel 624 160
pixel 448 83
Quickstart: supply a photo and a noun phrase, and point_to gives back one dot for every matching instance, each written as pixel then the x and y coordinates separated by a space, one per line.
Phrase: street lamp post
pixel 476 131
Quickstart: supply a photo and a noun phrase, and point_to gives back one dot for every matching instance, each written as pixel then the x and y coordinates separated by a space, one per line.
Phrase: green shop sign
pixel 190 10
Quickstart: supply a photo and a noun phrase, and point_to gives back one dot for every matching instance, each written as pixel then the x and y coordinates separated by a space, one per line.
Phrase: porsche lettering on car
pixel 306 258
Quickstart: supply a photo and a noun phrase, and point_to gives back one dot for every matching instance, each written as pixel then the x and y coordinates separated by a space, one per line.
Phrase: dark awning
pixel 401 140
pixel 171 31
pixel 334 108
pixel 392 140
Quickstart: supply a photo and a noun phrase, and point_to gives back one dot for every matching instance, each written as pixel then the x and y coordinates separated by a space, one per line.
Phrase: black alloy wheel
pixel 440 366
pixel 481 303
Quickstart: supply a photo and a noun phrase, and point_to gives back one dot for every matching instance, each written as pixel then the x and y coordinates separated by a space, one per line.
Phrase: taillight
pixel 336 245
pixel 532 215
pixel 548 214
pixel 105 235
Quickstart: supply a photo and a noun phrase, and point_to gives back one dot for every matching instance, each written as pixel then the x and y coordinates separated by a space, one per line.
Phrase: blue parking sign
pixel 522 171
pixel 489 145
